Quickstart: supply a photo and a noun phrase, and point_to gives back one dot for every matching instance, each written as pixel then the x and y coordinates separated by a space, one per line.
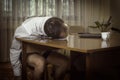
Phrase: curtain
pixel 80 13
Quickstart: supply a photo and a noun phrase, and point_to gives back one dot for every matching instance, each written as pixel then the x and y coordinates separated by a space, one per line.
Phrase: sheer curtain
pixel 80 13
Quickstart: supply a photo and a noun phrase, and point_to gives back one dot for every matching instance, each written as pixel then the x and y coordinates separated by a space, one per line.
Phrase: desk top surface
pixel 75 43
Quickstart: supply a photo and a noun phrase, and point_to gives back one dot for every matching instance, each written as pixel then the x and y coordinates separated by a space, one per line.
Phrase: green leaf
pixel 98 23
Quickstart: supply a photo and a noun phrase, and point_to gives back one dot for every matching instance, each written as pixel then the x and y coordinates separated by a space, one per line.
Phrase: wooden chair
pixel 6 72
pixel 47 75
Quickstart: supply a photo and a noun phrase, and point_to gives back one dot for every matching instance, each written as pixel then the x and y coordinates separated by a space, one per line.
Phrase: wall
pixel 115 12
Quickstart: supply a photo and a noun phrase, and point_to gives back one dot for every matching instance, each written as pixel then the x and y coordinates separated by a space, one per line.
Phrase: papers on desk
pixel 62 39
pixel 37 37
pixel 42 39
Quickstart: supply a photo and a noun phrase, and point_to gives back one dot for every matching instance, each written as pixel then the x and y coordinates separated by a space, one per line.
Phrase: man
pixel 39 26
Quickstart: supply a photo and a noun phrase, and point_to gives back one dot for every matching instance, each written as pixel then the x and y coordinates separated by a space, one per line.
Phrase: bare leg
pixel 60 62
pixel 37 62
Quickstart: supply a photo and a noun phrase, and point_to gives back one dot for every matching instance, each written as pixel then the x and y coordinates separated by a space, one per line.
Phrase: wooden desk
pixel 90 58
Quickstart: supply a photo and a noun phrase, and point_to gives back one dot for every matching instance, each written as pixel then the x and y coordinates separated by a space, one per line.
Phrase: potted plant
pixel 103 27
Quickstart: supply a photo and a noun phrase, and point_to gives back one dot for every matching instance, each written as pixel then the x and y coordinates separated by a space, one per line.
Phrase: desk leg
pixel 24 64
pixel 78 66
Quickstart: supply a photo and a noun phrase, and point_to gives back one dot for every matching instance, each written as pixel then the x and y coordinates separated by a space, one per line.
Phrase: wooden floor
pixel 6 72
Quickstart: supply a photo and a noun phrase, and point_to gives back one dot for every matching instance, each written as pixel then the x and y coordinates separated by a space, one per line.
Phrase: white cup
pixel 70 40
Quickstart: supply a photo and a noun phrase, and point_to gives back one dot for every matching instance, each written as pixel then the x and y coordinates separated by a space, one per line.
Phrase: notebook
pixel 89 35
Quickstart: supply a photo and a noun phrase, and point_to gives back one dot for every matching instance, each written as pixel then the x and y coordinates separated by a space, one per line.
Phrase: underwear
pixel 46 53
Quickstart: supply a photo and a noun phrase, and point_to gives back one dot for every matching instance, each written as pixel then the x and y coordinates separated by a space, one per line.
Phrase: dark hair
pixel 53 27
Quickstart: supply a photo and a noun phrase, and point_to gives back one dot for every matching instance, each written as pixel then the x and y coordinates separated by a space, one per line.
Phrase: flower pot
pixel 105 35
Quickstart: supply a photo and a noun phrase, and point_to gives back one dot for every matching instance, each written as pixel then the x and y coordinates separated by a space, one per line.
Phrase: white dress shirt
pixel 30 27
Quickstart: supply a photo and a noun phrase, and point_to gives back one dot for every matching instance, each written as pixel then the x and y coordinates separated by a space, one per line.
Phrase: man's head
pixel 56 28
